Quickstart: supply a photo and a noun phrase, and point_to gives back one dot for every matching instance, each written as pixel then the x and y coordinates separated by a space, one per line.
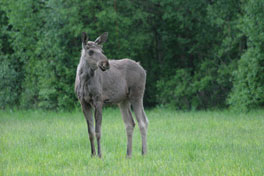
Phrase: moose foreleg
pixel 98 123
pixel 87 110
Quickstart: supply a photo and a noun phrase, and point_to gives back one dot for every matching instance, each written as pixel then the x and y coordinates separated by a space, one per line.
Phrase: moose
pixel 100 81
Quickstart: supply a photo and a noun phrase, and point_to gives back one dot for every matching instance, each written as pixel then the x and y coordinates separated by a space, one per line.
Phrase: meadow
pixel 179 143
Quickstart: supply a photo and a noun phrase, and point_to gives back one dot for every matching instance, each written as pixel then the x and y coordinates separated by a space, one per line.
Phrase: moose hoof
pixel 128 156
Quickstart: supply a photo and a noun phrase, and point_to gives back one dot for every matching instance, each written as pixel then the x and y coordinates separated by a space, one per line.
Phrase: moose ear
pixel 101 39
pixel 84 38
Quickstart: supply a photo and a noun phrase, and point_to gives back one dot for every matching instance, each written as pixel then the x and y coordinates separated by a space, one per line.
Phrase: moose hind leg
pixel 129 124
pixel 87 110
pixel 142 123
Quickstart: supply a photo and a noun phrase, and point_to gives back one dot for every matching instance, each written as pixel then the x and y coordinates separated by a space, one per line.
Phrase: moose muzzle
pixel 104 65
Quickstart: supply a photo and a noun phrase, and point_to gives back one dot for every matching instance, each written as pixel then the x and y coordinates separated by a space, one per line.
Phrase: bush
pixel 8 86
pixel 248 91
pixel 176 91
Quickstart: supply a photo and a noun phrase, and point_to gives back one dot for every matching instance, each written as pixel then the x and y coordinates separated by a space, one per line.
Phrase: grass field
pixel 179 143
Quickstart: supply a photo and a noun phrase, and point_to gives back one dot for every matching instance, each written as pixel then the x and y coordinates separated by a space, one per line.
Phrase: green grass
pixel 179 143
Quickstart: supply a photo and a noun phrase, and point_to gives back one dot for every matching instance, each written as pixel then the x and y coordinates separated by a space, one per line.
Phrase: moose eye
pixel 91 52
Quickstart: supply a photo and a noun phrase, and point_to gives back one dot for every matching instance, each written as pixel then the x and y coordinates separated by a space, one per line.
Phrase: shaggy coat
pixel 100 81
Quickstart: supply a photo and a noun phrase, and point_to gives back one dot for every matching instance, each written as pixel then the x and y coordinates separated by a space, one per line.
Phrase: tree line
pixel 198 54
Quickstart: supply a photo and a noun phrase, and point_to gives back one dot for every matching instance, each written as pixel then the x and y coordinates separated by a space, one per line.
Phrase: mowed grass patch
pixel 179 143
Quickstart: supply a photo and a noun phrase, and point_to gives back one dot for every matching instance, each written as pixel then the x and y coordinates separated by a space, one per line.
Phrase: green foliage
pixel 248 91
pixel 206 89
pixel 203 69
pixel 249 81
pixel 177 91
pixel 8 89
pixel 196 53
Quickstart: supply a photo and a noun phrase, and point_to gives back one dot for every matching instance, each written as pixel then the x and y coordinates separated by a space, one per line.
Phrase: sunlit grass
pixel 179 143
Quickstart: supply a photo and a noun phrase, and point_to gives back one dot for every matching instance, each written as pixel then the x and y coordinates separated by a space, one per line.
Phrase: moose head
pixel 92 52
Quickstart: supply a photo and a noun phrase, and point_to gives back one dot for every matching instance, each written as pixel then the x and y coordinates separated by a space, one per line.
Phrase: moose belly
pixel 114 97
pixel 115 93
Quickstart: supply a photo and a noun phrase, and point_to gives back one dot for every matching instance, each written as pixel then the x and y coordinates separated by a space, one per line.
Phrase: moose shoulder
pixel 99 81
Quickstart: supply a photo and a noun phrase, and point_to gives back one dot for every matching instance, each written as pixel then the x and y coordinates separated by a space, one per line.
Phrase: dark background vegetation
pixel 199 54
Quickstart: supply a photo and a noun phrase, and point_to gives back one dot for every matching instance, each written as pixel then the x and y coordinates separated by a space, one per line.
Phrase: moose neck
pixel 86 71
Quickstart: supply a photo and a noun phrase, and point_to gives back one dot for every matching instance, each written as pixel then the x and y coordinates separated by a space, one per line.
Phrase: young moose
pixel 99 81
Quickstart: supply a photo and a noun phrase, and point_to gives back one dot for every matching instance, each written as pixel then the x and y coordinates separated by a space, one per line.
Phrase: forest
pixel 198 54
